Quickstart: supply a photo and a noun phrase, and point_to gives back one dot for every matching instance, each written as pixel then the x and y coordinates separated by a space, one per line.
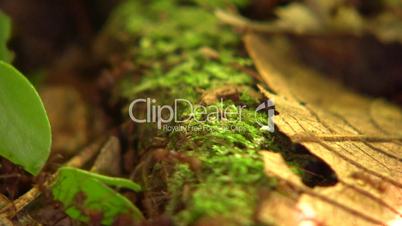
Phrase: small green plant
pixel 25 140
pixel 85 194
pixel 25 135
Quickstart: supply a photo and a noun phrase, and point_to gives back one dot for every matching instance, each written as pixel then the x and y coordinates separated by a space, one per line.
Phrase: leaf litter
pixel 357 136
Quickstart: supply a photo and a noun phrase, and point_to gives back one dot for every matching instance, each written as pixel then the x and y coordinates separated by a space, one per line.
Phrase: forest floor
pixel 207 154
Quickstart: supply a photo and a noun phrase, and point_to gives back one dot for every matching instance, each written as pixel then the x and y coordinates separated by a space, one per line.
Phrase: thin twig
pixel 77 161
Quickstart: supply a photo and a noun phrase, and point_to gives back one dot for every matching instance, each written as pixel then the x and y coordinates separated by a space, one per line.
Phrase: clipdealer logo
pixel 269 107
pixel 165 114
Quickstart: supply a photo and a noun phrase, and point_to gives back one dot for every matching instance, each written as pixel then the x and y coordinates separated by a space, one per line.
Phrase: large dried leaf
pixel 359 137
pixel 325 18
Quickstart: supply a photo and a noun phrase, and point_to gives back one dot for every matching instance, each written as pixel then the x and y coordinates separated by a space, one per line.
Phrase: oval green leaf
pixel 83 192
pixel 25 135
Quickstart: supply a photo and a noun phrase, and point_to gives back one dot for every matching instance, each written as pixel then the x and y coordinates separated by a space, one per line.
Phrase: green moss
pixel 296 168
pixel 215 199
pixel 167 39
pixel 163 28
pixel 232 170
pixel 222 3
pixel 189 78
pixel 180 50
pixel 167 32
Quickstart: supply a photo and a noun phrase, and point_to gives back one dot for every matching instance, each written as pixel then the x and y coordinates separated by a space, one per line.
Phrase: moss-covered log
pixel 196 171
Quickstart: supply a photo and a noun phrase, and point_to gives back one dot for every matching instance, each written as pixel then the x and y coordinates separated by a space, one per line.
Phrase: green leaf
pixel 5 32
pixel 25 135
pixel 83 192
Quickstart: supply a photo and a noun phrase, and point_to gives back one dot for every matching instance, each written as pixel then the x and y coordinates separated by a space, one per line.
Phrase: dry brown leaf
pixel 324 19
pixel 68 114
pixel 278 209
pixel 359 137
pixel 275 165
pixel 108 161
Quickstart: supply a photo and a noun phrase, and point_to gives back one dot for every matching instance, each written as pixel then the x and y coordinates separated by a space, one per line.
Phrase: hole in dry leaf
pixel 316 172
pixel 312 170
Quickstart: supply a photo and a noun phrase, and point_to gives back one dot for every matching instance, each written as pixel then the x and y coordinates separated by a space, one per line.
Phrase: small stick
pixel 87 154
